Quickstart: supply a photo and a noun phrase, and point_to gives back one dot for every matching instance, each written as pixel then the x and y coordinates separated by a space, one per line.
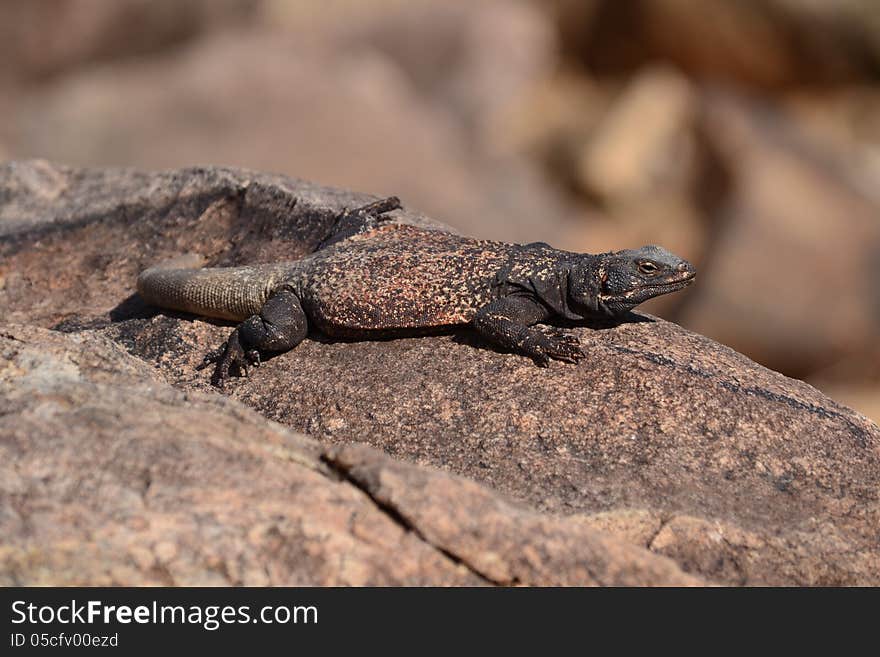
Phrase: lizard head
pixel 615 283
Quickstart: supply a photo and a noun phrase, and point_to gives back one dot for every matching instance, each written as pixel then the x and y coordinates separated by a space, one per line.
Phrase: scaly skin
pixel 370 276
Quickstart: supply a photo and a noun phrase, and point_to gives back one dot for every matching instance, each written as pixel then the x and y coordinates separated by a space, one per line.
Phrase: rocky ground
pixel 663 458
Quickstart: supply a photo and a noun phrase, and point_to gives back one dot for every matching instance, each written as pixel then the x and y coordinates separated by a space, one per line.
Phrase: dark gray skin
pixel 371 277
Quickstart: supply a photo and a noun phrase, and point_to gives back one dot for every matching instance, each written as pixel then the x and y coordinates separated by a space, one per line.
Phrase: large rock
pixel 661 438
pixel 108 476
pixel 771 479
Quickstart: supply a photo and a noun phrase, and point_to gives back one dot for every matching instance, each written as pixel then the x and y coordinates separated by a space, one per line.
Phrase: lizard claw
pixel 541 359
pixel 211 357
pixel 253 357
pixel 559 346
pixel 228 359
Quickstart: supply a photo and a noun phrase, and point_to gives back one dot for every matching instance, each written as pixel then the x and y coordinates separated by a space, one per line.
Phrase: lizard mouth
pixel 645 292
pixel 669 286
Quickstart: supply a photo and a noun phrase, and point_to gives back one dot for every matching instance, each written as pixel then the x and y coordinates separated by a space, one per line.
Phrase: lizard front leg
pixel 280 325
pixel 508 322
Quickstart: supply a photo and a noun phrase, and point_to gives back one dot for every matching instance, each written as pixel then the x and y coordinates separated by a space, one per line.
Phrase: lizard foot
pixel 228 359
pixel 554 345
pixel 554 333
pixel 371 215
pixel 359 220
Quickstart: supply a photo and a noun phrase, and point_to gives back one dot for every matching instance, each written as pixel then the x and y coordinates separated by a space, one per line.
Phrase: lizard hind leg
pixel 373 214
pixel 280 325
pixel 360 220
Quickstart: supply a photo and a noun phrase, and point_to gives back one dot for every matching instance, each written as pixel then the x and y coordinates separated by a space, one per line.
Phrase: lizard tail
pixel 233 293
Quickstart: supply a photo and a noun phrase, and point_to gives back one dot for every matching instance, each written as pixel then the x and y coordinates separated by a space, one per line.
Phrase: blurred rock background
pixel 742 134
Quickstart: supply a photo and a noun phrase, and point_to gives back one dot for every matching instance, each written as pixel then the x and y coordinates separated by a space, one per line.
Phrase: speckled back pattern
pixel 401 276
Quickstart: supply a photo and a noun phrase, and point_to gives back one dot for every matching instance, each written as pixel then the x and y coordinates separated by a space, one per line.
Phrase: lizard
pixel 373 276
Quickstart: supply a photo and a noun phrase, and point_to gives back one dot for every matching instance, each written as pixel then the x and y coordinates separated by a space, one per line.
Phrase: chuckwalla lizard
pixel 372 276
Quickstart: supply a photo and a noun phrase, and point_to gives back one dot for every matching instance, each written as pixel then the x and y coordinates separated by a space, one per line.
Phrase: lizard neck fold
pixel 569 289
pixel 583 287
pixel 555 294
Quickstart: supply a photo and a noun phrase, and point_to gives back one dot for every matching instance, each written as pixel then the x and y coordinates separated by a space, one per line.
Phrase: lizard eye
pixel 647 267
